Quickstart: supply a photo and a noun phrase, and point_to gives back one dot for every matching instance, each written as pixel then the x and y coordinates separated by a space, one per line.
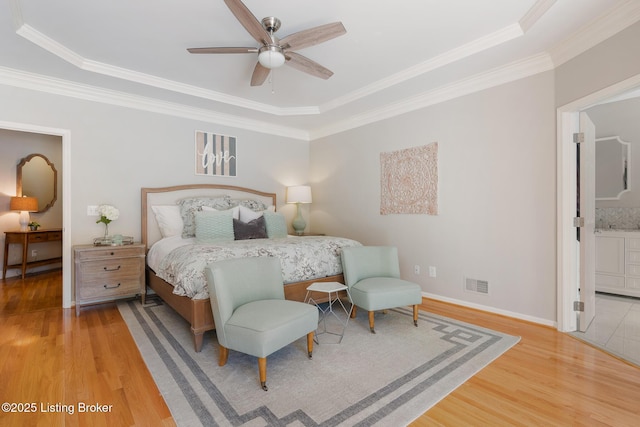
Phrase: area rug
pixel 388 378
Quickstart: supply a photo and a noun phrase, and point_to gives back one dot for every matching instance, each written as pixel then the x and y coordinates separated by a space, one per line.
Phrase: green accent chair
pixel 250 312
pixel 372 274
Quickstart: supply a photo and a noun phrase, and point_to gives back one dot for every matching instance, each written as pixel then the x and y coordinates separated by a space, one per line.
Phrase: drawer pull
pixel 112 269
pixel 112 287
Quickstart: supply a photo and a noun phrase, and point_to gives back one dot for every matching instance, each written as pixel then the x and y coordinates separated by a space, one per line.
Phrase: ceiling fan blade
pixel 313 36
pixel 306 65
pixel 248 21
pixel 222 50
pixel 260 74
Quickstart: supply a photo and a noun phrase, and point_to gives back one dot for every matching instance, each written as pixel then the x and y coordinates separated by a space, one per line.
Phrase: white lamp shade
pixel 271 58
pixel 299 194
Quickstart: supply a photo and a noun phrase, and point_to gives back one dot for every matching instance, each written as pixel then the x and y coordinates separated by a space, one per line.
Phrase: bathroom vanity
pixel 618 262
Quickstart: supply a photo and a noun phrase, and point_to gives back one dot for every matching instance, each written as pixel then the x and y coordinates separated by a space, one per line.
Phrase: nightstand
pixel 108 273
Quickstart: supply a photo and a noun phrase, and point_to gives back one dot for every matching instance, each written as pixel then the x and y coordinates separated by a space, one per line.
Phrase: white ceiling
pixel 396 56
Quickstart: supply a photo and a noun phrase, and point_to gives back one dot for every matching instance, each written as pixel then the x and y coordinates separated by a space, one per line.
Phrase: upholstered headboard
pixel 171 195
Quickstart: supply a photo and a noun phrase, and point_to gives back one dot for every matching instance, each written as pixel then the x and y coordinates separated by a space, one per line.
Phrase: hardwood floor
pixel 50 357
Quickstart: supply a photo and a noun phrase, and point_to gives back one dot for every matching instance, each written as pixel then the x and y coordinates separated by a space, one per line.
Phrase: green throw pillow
pixel 214 227
pixel 276 225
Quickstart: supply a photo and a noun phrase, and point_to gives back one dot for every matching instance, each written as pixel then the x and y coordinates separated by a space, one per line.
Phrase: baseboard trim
pixel 493 310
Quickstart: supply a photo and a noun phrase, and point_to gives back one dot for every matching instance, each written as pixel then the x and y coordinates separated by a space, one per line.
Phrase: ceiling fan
pixel 274 52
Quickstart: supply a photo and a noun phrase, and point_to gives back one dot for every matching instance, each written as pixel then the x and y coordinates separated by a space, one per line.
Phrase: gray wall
pixel 115 151
pixel 497 202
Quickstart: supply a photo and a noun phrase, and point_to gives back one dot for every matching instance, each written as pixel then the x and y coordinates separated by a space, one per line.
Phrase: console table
pixel 26 238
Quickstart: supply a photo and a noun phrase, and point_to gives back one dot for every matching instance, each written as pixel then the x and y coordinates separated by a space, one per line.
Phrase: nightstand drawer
pixel 109 252
pixel 109 288
pixel 114 269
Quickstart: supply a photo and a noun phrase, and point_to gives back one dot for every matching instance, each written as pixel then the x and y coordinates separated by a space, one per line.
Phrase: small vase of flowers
pixel 33 225
pixel 107 214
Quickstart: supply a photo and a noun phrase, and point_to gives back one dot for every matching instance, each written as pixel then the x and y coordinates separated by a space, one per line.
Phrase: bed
pixel 167 250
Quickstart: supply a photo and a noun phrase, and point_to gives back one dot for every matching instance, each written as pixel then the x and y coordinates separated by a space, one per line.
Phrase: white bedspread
pixel 181 262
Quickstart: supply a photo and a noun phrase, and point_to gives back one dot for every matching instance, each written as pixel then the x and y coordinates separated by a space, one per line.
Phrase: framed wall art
pixel 216 155
pixel 409 181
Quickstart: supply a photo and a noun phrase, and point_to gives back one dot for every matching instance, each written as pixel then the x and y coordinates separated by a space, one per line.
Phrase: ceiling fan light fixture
pixel 271 57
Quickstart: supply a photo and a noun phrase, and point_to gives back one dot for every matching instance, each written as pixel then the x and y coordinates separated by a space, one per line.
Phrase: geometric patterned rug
pixel 388 379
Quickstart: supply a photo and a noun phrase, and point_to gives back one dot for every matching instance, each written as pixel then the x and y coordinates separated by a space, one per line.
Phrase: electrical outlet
pixel 432 271
pixel 416 270
pixel 92 210
pixel 34 253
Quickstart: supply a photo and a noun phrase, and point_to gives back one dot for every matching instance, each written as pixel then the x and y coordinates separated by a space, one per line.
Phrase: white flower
pixel 107 213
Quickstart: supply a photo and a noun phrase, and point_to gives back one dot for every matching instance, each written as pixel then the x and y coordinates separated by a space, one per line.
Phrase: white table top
pixel 326 287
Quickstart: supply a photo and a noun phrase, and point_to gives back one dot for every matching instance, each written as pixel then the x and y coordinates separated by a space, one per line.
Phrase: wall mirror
pixel 612 168
pixel 37 177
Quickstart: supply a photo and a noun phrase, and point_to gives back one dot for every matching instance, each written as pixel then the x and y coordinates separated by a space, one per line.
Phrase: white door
pixel 587 211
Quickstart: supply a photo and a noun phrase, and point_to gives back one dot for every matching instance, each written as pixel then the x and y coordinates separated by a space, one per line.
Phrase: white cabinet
pixel 618 263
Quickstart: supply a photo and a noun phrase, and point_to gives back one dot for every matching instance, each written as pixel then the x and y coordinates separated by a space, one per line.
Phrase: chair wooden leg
pixel 415 315
pixel 373 331
pixel 310 344
pixel 224 355
pixel 262 369
pixel 353 312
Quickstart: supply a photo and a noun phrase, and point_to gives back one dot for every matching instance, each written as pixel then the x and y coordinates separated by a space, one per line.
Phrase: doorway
pixel 66 199
pixel 569 268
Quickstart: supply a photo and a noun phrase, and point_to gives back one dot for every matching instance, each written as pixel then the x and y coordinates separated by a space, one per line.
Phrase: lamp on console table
pixel 24 205
pixel 299 194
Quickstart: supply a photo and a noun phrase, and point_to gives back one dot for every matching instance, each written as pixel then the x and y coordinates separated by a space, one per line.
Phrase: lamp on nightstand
pixel 24 205
pixel 299 194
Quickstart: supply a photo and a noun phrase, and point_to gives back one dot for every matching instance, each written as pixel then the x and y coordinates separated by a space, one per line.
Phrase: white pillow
pixel 235 214
pixel 169 219
pixel 248 215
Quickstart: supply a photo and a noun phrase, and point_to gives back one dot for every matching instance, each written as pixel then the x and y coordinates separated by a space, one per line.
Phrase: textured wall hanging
pixel 409 181
pixel 215 154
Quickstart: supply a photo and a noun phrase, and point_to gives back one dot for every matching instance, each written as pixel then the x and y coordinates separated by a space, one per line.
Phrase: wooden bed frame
pixel 198 311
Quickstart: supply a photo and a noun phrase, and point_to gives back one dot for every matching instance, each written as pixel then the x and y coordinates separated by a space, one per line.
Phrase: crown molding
pixel 52 46
pixel 495 77
pixel 597 31
pixel 534 14
pixel 66 88
pixel 491 40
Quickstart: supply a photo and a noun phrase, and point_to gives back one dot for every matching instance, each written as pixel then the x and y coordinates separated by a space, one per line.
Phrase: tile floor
pixel 616 326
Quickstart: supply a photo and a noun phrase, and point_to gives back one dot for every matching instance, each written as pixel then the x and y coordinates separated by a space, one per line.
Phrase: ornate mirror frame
pixel 613 166
pixel 25 175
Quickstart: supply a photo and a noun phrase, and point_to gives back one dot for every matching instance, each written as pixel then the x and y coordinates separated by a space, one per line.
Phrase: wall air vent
pixel 476 286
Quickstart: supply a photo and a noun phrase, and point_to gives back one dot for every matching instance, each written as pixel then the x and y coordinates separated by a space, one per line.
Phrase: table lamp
pixel 24 205
pixel 299 194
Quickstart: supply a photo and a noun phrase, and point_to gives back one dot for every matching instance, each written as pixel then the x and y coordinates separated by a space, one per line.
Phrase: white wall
pixel 115 151
pixel 497 202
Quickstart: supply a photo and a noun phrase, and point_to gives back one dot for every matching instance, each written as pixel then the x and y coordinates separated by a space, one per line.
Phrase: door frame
pixel 566 185
pixel 65 134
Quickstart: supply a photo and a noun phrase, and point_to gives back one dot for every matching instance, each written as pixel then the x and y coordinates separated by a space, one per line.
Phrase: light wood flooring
pixel 48 356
